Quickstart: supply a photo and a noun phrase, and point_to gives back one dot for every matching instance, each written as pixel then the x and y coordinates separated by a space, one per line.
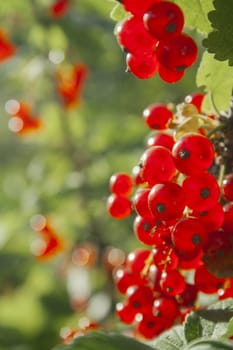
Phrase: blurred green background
pixel 62 171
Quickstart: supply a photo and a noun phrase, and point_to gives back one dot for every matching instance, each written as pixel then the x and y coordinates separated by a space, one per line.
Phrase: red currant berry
pixel 189 234
pixel 167 200
pixel 125 279
pixel 161 139
pixel 228 187
pixel 137 260
pixel 188 296
pixel 177 54
pixel 144 229
pixel 172 283
pixel 136 175
pixel 132 35
pixel 166 309
pixel 193 153
pixel 202 191
pixel 164 20
pixel 165 258
pixel 140 202
pixel 169 75
pixel 212 218
pixel 121 184
pixel 143 67
pixel 140 298
pixel 157 165
pixel 191 261
pixel 125 313
pixel 148 325
pixel 157 116
pixel 119 207
pixel 137 7
pixel 195 99
pixel 206 282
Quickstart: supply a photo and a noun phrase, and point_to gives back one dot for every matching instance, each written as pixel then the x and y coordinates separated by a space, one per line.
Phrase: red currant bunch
pixel 153 39
pixel 183 215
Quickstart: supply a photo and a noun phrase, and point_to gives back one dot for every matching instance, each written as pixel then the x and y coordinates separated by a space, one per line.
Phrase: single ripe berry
pixel 188 296
pixel 140 202
pixel 125 279
pixel 212 218
pixel 166 309
pixel 206 282
pixel 119 207
pixel 193 154
pixel 125 313
pixel 167 200
pixel 133 37
pixel 157 116
pixel 140 298
pixel 177 54
pixel 165 258
pixel 157 165
pixel 161 139
pixel 164 20
pixel 121 184
pixel 172 283
pixel 228 187
pixel 143 67
pixel 137 7
pixel 188 235
pixel 169 75
pixel 202 191
pixel 148 325
pixel 137 260
pixel 144 229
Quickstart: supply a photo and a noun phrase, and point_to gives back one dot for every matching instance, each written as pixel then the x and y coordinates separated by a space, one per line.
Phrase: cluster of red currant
pixel 183 213
pixel 153 40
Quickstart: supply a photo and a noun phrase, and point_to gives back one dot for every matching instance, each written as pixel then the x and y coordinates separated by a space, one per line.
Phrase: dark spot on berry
pixel 203 213
pixel 136 304
pixel 196 239
pixel 146 226
pixel 156 126
pixel 205 193
pixel 150 324
pixel 180 68
pixel 184 154
pixel 169 289
pixel 171 27
pixel 160 207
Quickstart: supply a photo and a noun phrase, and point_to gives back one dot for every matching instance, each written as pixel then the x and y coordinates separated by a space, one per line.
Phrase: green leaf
pixel 229 331
pixel 196 14
pixel 217 79
pixel 192 327
pixel 172 339
pixel 220 41
pixel 118 13
pixel 106 341
pixel 210 344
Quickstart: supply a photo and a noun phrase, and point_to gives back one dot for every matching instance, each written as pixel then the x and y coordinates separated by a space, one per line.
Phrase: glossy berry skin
pixel 157 116
pixel 166 309
pixel 193 262
pixel 143 67
pixel 167 200
pixel 202 191
pixel 189 234
pixel 140 202
pixel 133 37
pixel 149 326
pixel 119 207
pixel 125 313
pixel 206 282
pixel 188 296
pixel 164 20
pixel 140 298
pixel 212 218
pixel 177 54
pixel 121 184
pixel 157 165
pixel 144 229
pixel 172 283
pixel 161 139
pixel 193 154
pixel 228 187
pixel 169 75
pixel 165 258
pixel 138 7
pixel 195 99
pixel 137 259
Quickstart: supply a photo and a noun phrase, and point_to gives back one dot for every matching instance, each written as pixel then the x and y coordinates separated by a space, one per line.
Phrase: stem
pixel 215 130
